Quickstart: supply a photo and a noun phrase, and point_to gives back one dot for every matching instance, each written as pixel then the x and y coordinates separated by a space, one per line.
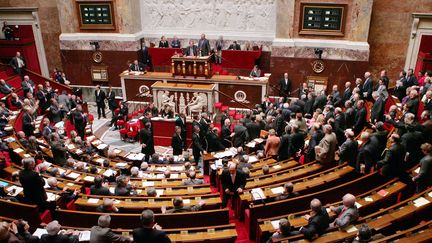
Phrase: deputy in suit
pixel 179 207
pixel 18 64
pixel 226 133
pixel 424 178
pixel 392 164
pixel 197 146
pixel 28 122
pixel 163 43
pixel 233 182
pixel 150 231
pixel 191 50
pixel 147 142
pixel 377 112
pixel 285 143
pixel 347 213
pixel 103 234
pixel 360 117
pixel 288 192
pixel 112 105
pixel 98 189
pixel 80 121
pixel 192 180
pixel 4 87
pixel 240 134
pixel 255 73
pixel 55 236
pixel 326 149
pixel 347 92
pixel 100 101
pixel 348 150
pixel 58 149
pixel 177 142
pixel 145 57
pixel 318 220
pixel 27 85
pixel 136 67
pixel 213 142
pixel 285 86
pixel 181 122
pixel 411 79
pixel 254 128
pixel 175 43
pixel 272 145
pixel 367 154
pixel 234 46
pixel 204 46
pixel 367 87
pixel 33 184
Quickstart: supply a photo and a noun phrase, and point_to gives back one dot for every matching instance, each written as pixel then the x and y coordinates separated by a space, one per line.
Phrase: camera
pixel 95 44
pixel 318 52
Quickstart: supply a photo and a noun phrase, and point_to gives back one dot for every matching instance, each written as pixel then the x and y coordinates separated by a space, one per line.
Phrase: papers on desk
pixel 99 160
pixel 159 192
pixel 78 151
pixel 71 146
pixel 73 175
pixel 121 164
pixel 102 146
pixel 252 159
pixel 420 202
pixel 258 140
pixel 133 156
pixel 160 176
pixel 14 190
pixel 109 173
pixel 96 142
pixel 39 232
pixel 47 164
pixel 186 201
pixel 18 150
pixel 46 183
pixel 147 183
pixel 258 194
pixel 93 200
pixel 176 168
pixel 417 170
pixel 277 190
pixel 112 190
pixel 351 229
pixel 275 223
pixel 382 192
pixel 116 201
pixel 9 139
pixel 89 178
pixel 117 151
pixel 84 235
pixel 175 176
pixel 368 199
pixel 224 154
pixel 90 138
pixel 51 197
pixel 277 167
pixel 358 205
pixel 251 144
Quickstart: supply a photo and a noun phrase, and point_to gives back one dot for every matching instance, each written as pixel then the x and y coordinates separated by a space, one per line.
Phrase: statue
pixel 197 102
pixel 168 100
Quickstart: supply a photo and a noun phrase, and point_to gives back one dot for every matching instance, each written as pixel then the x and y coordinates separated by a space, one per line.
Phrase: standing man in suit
pixel 393 163
pixel 80 121
pixel 33 184
pixel 181 122
pixel 318 220
pixel 147 142
pixel 272 145
pixel 103 234
pixel 411 79
pixel 191 50
pixel 112 105
pixel 175 43
pixel 423 178
pixel 384 77
pixel 360 117
pixel 137 67
pixel 346 213
pixel 177 142
pixel 58 149
pixel 100 101
pixel 197 146
pixel 149 231
pixel 18 64
pixel 145 57
pixel 27 85
pixel 234 46
pixel 204 46
pixel 241 135
pixel 326 149
pixel 285 86
pixel 226 134
pixel 347 92
pixel 28 122
pixel 367 87
pixel 233 182
pixel 219 46
pixel 335 95
pixel 348 150
pixel 377 112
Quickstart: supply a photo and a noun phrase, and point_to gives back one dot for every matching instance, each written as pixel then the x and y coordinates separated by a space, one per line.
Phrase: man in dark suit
pixel 27 85
pixel 367 154
pixel 399 90
pixel 137 67
pixel 28 122
pixel 347 92
pixel 58 149
pixel 179 207
pixel 428 101
pixel 285 86
pixel 177 142
pixel 226 134
pixel 423 178
pixel 150 231
pixel 412 141
pixel 336 99
pixel 411 79
pixel 191 50
pixel 42 98
pixel 320 101
pixel 348 149
pixel 18 64
pixel 253 128
pixel 213 142
pixel 197 146
pixel 55 236
pixel 98 189
pixel 285 143
pixel 147 142
pixel 288 192
pixel 318 220
pixel 360 117
pixel 377 112
pixel 80 121
pixel 181 122
pixel 296 141
pixel 240 134
pixel 234 46
pixel 385 79
pixel 392 164
pixel 204 46
pixel 4 87
pixel 233 182
pixel 33 184
pixel 112 105
pixel 145 57
pixel 100 101
pixel 103 234
pixel 367 87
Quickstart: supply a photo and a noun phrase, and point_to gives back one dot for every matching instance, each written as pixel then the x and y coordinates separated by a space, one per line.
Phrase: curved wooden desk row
pixel 399 216
pixel 366 203
pixel 418 234
pixel 300 203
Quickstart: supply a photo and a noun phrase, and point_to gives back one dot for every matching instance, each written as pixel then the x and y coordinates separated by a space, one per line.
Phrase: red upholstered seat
pixel 133 131
pixel 232 113
pixel 120 123
pixel 218 105
pixel 238 116
pixel 117 110
pixel 224 108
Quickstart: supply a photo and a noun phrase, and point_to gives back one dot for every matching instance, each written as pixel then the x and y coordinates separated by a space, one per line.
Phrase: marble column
pixel 360 19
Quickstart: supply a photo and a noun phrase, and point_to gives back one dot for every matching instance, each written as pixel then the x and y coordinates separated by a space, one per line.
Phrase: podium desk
pixel 191 66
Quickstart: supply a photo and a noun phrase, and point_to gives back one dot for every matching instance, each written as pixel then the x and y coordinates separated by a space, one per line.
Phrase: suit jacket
pixel 137 68
pixel 145 57
pixel 46 131
pixel 316 224
pixel 320 102
pixel 213 142
pixel 328 147
pixel 5 89
pixel 297 143
pixel 393 163
pixel 100 98
pixel 227 183
pixel 14 62
pixel 33 185
pixel 163 44
pixel 79 119
pixel 190 182
pixel 284 145
pixel 368 154
pixel 103 191
pixel 336 99
pixel 146 137
pixel 360 120
pixel 345 216
pixel 27 126
pixel 197 147
pixel 400 92
pixel 175 44
pixel 411 80
pixel 177 144
pixel 348 151
pixel 149 235
pixel 64 100
pixel 234 47
pixel 286 195
pixel 226 137
pixel 56 113
pixel 285 88
pixel 59 238
pixel 367 88
pixel 423 178
pixel 27 86
pixel 308 108
pixel 105 235
pixel 254 130
pixel 112 105
pixel 184 209
pixel 377 112
pixel 272 145
pixel 240 135
pixel 346 95
pixel 204 46
pixel 59 153
pixel 188 52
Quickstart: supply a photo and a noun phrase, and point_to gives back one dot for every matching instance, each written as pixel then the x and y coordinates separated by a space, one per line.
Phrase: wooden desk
pixel 195 66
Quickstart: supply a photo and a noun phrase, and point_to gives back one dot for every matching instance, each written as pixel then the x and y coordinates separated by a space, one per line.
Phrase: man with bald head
pixel 326 149
pixel 367 87
pixel 103 234
pixel 285 86
pixel 233 182
pixel 318 220
pixel 179 206
pixel 347 213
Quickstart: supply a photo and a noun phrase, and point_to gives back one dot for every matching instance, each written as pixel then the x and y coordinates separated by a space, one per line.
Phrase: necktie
pixel 343 210
pixel 136 68
pixel 233 178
